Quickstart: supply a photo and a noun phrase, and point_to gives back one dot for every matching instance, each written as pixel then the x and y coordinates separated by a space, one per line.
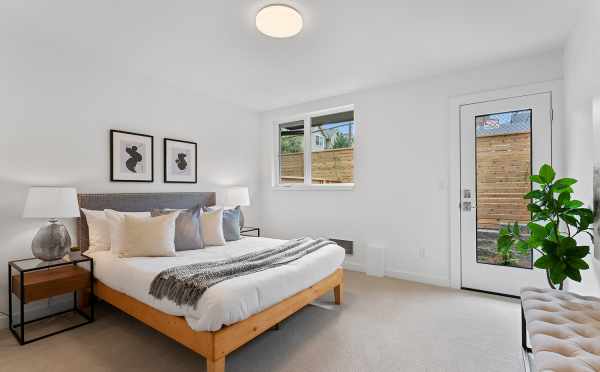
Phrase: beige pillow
pixel 115 221
pixel 149 236
pixel 211 225
pixel 98 233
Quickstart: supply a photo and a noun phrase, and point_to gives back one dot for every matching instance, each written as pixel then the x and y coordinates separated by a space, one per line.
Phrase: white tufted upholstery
pixel 564 330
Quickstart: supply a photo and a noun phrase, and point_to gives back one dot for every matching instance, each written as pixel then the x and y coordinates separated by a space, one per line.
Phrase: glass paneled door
pixel 502 143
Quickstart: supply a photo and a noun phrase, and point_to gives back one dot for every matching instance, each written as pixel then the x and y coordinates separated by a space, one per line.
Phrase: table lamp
pixel 237 196
pixel 52 241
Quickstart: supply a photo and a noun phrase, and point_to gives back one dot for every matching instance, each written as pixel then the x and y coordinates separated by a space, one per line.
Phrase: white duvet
pixel 229 301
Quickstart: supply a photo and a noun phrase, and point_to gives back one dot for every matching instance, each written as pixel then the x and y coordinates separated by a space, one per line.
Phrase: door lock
pixel 467 206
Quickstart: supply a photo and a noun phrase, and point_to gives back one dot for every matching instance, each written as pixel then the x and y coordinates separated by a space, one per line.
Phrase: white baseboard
pixel 353 266
pixel 439 281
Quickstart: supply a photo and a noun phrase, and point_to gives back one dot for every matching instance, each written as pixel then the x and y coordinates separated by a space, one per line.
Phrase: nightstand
pixel 32 279
pixel 245 231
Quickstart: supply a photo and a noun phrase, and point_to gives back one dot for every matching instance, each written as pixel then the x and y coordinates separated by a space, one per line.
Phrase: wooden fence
pixel 328 166
pixel 503 170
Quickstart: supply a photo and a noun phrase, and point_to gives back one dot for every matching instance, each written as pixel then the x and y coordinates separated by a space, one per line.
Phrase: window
pixel 329 161
pixel 291 152
pixel 319 141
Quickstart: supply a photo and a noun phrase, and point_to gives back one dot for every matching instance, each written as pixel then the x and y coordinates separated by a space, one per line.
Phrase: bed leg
pixel 338 293
pixel 215 365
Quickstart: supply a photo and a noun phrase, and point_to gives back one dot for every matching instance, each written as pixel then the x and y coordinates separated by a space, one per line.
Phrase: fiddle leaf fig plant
pixel 556 219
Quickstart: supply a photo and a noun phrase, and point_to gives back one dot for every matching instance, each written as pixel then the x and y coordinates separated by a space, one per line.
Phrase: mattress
pixel 227 302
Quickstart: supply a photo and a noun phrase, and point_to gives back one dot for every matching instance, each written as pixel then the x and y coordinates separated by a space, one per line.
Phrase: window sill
pixel 302 187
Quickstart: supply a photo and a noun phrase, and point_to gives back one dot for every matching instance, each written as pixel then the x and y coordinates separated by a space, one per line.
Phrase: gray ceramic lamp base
pixel 52 242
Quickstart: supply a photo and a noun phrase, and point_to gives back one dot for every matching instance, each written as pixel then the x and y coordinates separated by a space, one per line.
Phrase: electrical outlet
pixel 422 252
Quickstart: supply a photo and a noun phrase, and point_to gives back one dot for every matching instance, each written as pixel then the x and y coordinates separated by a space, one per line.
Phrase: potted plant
pixel 556 219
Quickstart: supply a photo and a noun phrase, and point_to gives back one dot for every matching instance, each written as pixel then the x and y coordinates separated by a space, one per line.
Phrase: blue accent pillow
pixel 231 224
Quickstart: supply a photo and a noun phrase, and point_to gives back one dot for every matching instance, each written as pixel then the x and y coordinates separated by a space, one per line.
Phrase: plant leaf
pixel 547 174
pixel 573 204
pixel 535 194
pixel 543 262
pixel 565 245
pixel 578 263
pixel 563 185
pixel 569 219
pixel 537 179
pixel 504 243
pixel 522 246
pixel 504 231
pixel 578 252
pixel 564 198
pixel 537 232
pixel 549 247
pixel 573 274
pixel 557 273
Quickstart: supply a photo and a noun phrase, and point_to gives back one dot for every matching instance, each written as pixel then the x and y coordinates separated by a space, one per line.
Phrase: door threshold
pixel 491 293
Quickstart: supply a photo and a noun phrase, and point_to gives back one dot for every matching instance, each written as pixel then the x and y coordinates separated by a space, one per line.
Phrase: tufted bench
pixel 564 330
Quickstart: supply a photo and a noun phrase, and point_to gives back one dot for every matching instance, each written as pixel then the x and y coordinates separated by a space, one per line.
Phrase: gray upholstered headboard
pixel 137 202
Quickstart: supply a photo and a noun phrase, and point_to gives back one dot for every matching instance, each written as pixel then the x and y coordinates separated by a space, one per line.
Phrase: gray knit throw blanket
pixel 185 284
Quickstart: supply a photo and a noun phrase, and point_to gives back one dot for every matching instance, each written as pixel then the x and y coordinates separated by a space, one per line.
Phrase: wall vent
pixel 348 245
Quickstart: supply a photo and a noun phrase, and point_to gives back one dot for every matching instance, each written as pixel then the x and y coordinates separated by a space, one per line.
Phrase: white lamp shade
pixel 237 196
pixel 51 202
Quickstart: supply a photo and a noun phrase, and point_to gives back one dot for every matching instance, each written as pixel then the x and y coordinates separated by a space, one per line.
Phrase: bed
pixel 230 313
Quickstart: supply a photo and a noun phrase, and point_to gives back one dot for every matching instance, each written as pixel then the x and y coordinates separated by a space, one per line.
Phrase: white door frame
pixel 555 87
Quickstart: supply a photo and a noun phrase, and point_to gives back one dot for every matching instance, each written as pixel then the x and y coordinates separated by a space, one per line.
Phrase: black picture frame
pixel 165 160
pixel 113 176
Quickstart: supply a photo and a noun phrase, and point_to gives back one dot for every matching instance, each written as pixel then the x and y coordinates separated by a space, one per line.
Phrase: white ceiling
pixel 214 48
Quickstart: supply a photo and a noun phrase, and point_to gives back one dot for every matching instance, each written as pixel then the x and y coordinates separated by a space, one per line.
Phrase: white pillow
pixel 98 233
pixel 115 220
pixel 149 236
pixel 211 225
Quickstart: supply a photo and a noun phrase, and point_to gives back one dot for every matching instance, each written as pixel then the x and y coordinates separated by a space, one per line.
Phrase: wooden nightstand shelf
pixel 35 280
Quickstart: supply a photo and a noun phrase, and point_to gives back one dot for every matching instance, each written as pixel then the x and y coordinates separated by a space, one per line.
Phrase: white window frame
pixel 306 118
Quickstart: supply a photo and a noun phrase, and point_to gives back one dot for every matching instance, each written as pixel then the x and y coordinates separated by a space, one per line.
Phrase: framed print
pixel 131 157
pixel 180 159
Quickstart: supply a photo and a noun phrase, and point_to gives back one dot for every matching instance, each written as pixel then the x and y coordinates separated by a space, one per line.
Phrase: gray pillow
pixel 187 228
pixel 231 223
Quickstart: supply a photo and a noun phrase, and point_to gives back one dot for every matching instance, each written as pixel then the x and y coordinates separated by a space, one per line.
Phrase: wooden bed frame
pixel 215 346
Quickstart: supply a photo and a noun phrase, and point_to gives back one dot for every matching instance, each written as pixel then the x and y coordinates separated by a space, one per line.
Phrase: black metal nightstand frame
pixel 20 336
pixel 245 230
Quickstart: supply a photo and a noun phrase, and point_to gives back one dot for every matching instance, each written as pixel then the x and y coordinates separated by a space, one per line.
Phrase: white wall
pixel 57 109
pixel 401 169
pixel 582 84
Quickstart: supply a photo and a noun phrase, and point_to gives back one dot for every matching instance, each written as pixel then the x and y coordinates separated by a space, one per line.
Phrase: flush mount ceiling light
pixel 279 21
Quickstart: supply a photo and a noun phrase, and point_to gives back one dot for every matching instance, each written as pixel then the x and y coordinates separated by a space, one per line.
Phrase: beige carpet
pixel 385 325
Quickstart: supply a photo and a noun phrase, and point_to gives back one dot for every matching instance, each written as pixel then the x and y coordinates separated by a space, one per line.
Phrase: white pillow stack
pixel 116 228
pixel 211 224
pixel 137 234
pixel 98 231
